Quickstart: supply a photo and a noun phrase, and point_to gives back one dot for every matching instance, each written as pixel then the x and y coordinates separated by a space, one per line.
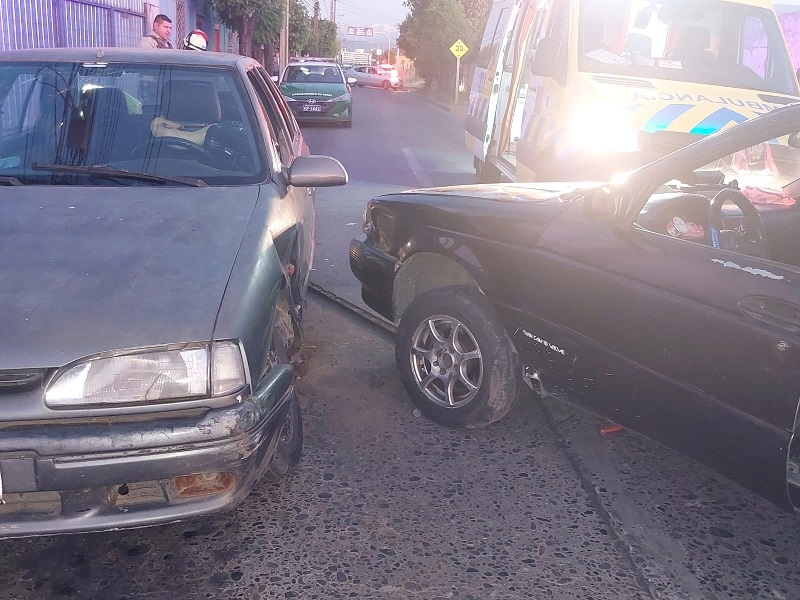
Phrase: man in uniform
pixel 159 37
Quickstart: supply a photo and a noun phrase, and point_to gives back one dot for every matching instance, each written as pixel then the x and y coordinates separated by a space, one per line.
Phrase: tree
pixel 427 34
pixel 324 43
pixel 477 11
pixel 259 22
pixel 243 16
pixel 299 27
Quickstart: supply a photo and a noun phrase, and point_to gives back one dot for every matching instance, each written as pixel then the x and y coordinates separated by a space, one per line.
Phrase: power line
pixel 364 12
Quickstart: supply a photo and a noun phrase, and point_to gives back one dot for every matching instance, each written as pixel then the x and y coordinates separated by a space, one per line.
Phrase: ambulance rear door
pixel 486 83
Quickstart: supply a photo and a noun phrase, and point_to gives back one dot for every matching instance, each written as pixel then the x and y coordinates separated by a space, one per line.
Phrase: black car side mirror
pixel 602 203
pixel 794 140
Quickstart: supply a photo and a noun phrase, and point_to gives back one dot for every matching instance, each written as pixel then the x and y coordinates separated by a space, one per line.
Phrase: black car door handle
pixel 773 311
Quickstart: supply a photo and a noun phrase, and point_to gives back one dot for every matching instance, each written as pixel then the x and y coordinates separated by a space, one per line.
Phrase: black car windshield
pixel 729 44
pixel 171 121
pixel 309 73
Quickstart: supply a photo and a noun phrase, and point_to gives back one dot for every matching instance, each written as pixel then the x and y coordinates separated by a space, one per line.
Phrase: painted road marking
pixel 416 168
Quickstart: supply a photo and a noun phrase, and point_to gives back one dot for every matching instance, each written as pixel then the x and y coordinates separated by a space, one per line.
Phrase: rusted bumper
pixel 89 476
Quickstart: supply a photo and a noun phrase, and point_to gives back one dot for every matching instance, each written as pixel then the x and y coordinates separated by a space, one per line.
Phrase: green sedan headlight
pixel 342 98
pixel 152 375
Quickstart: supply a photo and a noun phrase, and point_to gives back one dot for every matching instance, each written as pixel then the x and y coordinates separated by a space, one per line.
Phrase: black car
pixel 667 301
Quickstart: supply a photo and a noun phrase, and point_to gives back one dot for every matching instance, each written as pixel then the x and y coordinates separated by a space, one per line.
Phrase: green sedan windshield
pixel 146 118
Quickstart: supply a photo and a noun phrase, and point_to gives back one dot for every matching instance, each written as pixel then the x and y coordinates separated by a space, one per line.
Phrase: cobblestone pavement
pixel 387 505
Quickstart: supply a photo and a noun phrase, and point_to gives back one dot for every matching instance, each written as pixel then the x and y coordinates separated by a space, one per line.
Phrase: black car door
pixel 694 346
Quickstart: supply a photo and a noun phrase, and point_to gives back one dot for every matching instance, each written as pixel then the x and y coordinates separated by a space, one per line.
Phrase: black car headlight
pixel 177 372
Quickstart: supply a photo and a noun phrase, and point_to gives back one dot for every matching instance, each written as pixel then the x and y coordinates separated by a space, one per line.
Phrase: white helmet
pixel 196 40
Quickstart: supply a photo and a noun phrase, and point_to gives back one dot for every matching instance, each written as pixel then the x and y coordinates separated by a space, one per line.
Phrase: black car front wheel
pixel 455 359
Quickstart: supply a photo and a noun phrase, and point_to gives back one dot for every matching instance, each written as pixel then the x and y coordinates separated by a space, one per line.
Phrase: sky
pixel 365 12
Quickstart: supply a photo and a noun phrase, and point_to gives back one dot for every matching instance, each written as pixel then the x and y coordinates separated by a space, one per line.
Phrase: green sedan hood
pixel 309 90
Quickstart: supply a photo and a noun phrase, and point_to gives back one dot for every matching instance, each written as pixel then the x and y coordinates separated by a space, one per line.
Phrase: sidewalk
pixel 446 104
pixel 457 109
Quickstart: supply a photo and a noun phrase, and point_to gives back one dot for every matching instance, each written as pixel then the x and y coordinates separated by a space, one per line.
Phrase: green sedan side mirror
pixel 317 171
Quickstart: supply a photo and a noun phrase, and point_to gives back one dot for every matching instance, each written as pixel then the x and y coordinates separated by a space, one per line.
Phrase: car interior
pixel 313 74
pixel 187 122
pixel 748 219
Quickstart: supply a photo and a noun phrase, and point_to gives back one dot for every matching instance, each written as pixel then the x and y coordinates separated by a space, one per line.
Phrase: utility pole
pixel 284 38
pixel 315 24
pixel 333 11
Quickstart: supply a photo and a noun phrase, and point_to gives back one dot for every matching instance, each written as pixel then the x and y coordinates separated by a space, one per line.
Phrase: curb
pixel 376 321
pixel 437 103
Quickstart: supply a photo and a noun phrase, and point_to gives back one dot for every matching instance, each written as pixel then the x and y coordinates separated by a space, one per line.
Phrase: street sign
pixel 459 49
pixel 360 31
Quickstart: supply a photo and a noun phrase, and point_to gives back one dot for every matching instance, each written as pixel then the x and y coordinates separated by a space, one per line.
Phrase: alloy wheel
pixel 446 361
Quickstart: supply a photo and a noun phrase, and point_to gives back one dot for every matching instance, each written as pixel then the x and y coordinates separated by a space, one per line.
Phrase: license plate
pixel 312 108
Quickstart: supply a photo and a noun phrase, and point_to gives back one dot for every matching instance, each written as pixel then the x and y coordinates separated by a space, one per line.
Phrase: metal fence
pixel 27 24
pixel 70 23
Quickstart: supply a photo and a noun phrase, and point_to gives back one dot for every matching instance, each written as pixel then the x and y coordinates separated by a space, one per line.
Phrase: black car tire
pixel 290 444
pixel 496 388
pixel 387 85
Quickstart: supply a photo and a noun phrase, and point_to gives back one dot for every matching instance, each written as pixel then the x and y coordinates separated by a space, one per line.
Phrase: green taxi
pixel 318 92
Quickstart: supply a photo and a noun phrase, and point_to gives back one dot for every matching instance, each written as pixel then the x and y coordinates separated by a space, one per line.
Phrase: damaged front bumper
pixel 375 270
pixel 91 476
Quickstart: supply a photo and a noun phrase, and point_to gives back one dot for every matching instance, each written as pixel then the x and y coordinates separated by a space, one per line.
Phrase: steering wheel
pixel 199 151
pixel 751 239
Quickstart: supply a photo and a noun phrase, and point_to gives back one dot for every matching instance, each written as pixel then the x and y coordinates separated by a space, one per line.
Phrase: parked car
pixel 667 301
pixel 376 77
pixel 154 257
pixel 318 92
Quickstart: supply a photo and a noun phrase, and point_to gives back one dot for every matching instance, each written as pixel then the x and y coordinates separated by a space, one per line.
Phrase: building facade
pixel 97 23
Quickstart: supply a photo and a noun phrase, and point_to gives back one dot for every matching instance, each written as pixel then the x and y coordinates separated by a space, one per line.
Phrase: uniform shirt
pixel 152 40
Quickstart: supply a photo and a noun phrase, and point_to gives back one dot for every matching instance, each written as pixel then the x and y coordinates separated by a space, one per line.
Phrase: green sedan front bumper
pixel 320 111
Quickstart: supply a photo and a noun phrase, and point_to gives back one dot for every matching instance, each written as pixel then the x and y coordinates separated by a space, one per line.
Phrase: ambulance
pixel 569 90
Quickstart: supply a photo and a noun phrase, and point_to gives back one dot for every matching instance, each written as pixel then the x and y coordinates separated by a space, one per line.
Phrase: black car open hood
pixel 90 269
pixel 508 192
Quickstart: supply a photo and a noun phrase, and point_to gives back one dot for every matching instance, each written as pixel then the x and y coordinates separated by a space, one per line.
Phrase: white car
pixel 375 76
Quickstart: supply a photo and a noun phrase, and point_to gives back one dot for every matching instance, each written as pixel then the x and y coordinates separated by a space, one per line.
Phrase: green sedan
pixel 318 92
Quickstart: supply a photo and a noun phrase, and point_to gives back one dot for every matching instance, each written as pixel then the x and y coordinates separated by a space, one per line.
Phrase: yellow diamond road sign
pixel 459 49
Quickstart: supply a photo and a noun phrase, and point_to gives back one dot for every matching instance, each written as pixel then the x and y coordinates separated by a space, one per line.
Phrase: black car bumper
pixel 91 476
pixel 375 270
